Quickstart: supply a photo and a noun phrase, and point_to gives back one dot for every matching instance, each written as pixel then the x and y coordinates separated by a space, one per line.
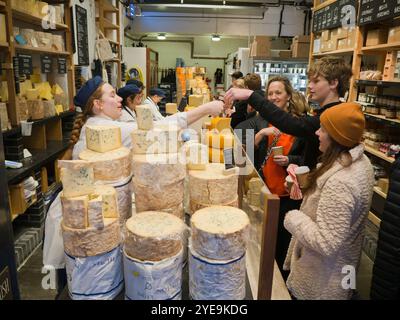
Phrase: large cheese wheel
pixel 109 200
pixel 91 241
pixel 194 206
pixel 74 211
pixel 211 186
pixel 161 139
pixel 175 210
pixel 109 166
pixel 77 177
pixel 160 169
pixel 157 197
pixel 153 236
pixel 220 232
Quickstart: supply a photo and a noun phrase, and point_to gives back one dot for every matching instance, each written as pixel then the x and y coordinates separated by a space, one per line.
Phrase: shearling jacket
pixel 327 231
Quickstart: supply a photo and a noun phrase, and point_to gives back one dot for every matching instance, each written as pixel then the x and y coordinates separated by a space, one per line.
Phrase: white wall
pixel 293 20
pixel 135 57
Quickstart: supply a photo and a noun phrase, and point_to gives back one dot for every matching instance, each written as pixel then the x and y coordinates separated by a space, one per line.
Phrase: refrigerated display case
pixel 294 69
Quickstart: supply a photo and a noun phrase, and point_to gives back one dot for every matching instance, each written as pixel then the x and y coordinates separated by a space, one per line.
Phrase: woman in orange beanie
pixel 325 249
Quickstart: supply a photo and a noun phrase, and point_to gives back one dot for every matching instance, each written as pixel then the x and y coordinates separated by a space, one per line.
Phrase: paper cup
pixel 289 182
pixel 302 175
pixel 277 151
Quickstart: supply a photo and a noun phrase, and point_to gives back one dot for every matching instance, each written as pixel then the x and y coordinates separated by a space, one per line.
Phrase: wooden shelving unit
pixel 108 22
pixel 2 4
pixel 4 45
pixel 376 116
pixel 382 47
pixel 380 192
pixel 379 154
pixel 374 219
pixel 335 52
pixel 21 48
pixel 31 19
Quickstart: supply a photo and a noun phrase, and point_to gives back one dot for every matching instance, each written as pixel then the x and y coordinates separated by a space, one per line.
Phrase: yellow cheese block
pixel 44 90
pixel 215 155
pixel 59 108
pixel 217 140
pixel 188 108
pixel 24 86
pixel 3 91
pixel 56 89
pixel 171 108
pixel 103 138
pixel 32 94
pixel 196 100
pixel 220 123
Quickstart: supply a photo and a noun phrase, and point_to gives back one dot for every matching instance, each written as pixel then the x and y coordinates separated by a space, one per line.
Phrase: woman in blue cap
pixel 132 96
pixel 154 98
pixel 102 106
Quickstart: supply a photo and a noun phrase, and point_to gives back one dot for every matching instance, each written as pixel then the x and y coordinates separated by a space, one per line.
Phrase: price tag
pixel 46 63
pixel 62 65
pixel 229 158
pixel 25 64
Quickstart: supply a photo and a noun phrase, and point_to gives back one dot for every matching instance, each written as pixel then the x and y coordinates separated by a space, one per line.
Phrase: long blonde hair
pixel 81 118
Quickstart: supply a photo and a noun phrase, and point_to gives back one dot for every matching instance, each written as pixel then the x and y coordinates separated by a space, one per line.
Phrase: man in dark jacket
pixel 386 272
pixel 328 81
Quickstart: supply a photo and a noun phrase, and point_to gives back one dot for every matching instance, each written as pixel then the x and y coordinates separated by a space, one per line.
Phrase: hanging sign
pixel 25 64
pixel 46 63
pixel 62 65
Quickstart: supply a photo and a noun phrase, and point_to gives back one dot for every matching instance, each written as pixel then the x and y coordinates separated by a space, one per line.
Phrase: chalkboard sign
pixel 62 65
pixel 82 36
pixel 337 14
pixel 46 63
pixel 16 74
pixel 25 64
pixel 372 11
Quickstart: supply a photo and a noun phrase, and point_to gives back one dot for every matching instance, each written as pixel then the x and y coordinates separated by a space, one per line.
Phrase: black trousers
pixel 284 236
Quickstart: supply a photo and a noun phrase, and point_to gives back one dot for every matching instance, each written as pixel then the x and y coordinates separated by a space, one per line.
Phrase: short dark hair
pixel 253 81
pixel 237 75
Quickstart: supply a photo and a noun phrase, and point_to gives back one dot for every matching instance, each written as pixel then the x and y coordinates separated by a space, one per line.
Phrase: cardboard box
pixel 302 39
pixel 261 47
pixel 317 46
pixel 326 35
pixel 332 45
pixel 376 37
pixel 300 50
pixel 285 53
pixel 394 35
pixel 342 33
pixel 342 44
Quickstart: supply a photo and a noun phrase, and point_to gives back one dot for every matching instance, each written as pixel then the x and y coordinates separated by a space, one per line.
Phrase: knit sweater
pixel 327 231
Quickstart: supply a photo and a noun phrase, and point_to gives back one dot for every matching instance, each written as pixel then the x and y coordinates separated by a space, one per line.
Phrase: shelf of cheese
pixel 382 47
pixel 379 154
pixel 341 51
pixel 19 47
pixel 374 219
pixel 380 192
pixel 29 18
pixel 378 83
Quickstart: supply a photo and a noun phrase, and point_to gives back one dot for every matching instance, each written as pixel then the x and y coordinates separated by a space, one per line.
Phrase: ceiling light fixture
pixel 215 37
pixel 161 36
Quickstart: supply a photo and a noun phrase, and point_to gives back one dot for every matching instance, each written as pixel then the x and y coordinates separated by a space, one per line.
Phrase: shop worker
pixel 135 82
pixel 101 105
pixel 132 96
pixel 155 97
pixel 327 231
pixel 328 81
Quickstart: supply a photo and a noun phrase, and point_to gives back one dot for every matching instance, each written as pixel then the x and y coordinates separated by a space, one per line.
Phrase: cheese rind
pixel 153 236
pixel 211 186
pixel 220 123
pixel 95 213
pixel 75 211
pixel 91 241
pixel 194 206
pixel 144 117
pixel 77 177
pixel 158 169
pixel 109 200
pixel 103 138
pixel 157 197
pixel 220 232
pixel 111 166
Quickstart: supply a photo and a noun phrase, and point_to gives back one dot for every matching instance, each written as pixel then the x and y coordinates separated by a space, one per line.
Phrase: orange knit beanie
pixel 344 123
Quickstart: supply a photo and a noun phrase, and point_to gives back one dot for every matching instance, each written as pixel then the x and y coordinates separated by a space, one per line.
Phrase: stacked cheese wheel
pixel 158 169
pixel 211 187
pixel 217 253
pixel 111 163
pixel 90 213
pixel 153 253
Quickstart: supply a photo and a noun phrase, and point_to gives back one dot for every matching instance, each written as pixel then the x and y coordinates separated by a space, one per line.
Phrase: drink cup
pixel 289 182
pixel 277 151
pixel 302 175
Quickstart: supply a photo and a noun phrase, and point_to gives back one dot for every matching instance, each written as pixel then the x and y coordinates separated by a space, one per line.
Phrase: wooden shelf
pixel 341 51
pixel 382 47
pixel 114 42
pixel 107 24
pixel 19 47
pixel 29 18
pixel 378 83
pixel 374 219
pixel 2 4
pixel 323 5
pixel 108 7
pixel 380 192
pixel 3 44
pixel 394 121
pixel 379 154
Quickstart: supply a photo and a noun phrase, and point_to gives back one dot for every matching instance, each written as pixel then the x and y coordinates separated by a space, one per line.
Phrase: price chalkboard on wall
pixel 82 36
pixel 25 64
pixel 337 14
pixel 46 63
pixel 372 11
pixel 62 65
